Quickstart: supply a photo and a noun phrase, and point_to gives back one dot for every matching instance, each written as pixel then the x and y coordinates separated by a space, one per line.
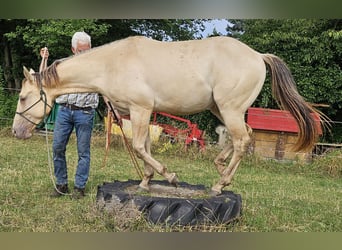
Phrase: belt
pixel 74 107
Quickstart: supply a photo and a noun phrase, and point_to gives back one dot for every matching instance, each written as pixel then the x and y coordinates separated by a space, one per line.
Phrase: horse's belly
pixel 183 103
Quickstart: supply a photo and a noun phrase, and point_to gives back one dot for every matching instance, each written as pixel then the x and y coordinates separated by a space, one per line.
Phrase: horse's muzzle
pixel 21 133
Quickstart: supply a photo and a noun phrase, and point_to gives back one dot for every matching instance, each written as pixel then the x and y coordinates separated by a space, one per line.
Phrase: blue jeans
pixel 66 121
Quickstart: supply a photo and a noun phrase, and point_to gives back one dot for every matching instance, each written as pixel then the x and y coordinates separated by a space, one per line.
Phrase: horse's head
pixel 33 105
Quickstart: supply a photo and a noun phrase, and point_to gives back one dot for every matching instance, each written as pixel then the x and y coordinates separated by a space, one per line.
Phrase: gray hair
pixel 81 37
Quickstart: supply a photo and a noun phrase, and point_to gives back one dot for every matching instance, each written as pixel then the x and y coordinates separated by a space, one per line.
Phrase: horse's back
pixel 201 58
pixel 182 76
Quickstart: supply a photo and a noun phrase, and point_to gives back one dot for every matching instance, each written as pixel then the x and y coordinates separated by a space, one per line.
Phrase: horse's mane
pixel 49 75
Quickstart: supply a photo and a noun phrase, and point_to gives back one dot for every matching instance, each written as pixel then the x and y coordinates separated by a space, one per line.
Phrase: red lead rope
pixel 127 144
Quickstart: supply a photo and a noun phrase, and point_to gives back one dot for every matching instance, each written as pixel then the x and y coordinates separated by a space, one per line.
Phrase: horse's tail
pixel 286 94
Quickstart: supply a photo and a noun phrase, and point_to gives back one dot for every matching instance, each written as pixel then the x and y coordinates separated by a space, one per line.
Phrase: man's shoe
pixel 60 190
pixel 78 193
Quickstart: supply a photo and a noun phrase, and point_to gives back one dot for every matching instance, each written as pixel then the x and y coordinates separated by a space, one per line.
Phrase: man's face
pixel 80 48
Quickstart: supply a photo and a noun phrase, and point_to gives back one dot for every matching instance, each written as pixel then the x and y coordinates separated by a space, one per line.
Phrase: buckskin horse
pixel 141 75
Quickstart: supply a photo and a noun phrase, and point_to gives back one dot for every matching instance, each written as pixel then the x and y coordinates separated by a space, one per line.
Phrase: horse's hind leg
pixel 227 149
pixel 240 138
pixel 220 160
pixel 222 156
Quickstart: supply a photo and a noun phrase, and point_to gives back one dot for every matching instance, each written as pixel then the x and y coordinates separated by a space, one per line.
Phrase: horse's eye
pixel 22 98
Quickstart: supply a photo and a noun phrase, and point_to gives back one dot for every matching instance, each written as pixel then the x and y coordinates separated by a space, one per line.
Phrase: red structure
pixel 275 133
pixel 191 134
pixel 275 120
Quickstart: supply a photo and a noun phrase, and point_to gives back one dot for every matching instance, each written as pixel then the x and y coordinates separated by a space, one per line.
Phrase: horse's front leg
pixel 140 119
pixel 148 169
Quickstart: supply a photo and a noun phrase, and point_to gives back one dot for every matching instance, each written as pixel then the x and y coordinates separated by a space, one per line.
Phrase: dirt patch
pixel 158 190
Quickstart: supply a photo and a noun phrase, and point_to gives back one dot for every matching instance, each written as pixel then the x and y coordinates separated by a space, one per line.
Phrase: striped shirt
pixel 81 100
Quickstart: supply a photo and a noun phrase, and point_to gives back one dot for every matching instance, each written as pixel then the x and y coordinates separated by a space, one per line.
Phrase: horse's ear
pixel 28 74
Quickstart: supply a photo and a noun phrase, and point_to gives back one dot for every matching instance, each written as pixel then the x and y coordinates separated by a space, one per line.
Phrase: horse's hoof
pixel 143 188
pixel 173 179
pixel 174 184
pixel 213 193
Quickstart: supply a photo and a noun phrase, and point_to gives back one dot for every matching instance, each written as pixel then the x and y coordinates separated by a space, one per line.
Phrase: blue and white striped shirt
pixel 81 100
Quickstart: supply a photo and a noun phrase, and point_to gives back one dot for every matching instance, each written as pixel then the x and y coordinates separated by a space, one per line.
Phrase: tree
pixel 169 29
pixel 21 39
pixel 312 50
pixel 24 38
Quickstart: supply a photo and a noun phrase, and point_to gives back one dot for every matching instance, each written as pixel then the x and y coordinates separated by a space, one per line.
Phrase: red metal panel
pixel 274 120
pixel 192 133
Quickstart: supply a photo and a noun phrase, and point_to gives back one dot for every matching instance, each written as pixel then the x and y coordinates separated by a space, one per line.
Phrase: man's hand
pixel 44 53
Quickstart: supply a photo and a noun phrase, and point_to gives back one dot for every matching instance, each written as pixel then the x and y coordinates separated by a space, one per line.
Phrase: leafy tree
pixel 7 103
pixel 30 35
pixel 312 50
pixel 310 47
pixel 169 29
pixel 22 39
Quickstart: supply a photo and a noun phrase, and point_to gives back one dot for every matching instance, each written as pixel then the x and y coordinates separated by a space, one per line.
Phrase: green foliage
pixel 206 121
pixel 55 34
pixel 312 50
pixel 23 38
pixel 169 29
pixel 28 36
pixel 8 103
pixel 310 47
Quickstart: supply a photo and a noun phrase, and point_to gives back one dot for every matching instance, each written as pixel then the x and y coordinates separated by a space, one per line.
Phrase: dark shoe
pixel 78 193
pixel 60 190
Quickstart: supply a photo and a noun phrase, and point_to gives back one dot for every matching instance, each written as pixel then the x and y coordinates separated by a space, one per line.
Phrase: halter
pixel 41 99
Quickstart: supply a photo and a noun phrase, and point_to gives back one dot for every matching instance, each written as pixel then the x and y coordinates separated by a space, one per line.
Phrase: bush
pixel 8 103
pixel 330 163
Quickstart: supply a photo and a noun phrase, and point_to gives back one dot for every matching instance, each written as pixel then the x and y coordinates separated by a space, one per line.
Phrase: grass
pixel 277 197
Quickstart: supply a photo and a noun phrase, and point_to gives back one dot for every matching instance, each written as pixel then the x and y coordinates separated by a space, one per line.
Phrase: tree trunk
pixel 8 76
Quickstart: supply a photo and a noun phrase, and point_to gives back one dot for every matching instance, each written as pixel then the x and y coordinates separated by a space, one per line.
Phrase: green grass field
pixel 277 197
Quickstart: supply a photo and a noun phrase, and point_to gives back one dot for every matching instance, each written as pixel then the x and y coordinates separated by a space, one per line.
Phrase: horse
pixel 140 75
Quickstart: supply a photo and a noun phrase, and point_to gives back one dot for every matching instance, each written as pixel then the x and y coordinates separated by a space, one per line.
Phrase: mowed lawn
pixel 276 197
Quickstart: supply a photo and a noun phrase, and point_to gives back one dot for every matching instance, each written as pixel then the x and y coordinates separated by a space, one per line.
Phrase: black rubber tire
pixel 220 209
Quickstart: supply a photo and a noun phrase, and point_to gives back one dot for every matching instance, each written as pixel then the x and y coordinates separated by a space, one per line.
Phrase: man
pixel 76 111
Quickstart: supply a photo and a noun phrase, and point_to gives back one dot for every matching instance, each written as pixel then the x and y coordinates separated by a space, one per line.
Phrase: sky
pixel 219 24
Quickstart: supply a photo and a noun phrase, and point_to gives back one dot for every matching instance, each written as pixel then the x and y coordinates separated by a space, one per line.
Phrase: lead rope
pixel 108 134
pixel 43 97
pixel 129 149
pixel 49 156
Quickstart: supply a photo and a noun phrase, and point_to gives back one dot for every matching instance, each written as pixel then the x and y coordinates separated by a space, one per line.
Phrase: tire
pixel 171 210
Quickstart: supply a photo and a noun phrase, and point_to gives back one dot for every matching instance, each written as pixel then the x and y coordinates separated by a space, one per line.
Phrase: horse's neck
pixel 76 73
pixel 76 77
